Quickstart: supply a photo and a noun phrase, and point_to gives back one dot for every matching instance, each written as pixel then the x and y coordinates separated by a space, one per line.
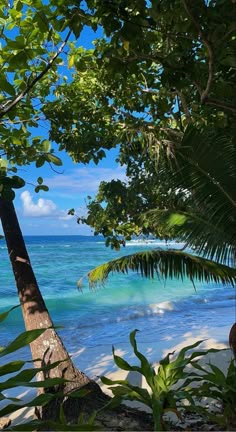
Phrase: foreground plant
pixel 167 387
pixel 23 376
pixel 221 389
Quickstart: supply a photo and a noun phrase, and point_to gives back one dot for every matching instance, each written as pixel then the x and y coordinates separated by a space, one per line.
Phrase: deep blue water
pixel 101 317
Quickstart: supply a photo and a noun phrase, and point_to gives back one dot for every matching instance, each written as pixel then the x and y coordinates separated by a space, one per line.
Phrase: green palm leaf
pixel 205 168
pixel 208 239
pixel 167 264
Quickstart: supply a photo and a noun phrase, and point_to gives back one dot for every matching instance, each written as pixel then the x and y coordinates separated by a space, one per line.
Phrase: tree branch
pixel 208 46
pixel 20 96
pixel 228 33
pixel 179 113
pixel 184 105
pixel 220 104
pixel 11 122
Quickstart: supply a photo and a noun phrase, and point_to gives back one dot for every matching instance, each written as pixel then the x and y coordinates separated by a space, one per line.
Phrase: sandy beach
pixel 213 338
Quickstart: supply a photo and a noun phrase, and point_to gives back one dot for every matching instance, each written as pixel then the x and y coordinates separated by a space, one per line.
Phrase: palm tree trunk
pixel 48 347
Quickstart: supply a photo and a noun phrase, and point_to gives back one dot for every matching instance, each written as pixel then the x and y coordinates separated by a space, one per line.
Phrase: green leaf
pixel 23 380
pixel 146 369
pixel 3 163
pixel 46 146
pixel 167 264
pixel 108 381
pixel 41 187
pixel 71 61
pixel 4 315
pixel 16 182
pixel 62 417
pixel 6 86
pixel 11 367
pixel 40 400
pixel 40 180
pixel 76 26
pixel 121 363
pixel 22 340
pixel 218 373
pixel 45 188
pixel 40 161
pixel 53 159
pixel 80 393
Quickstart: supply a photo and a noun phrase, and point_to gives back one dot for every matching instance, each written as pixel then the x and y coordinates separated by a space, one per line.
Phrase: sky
pixel 46 213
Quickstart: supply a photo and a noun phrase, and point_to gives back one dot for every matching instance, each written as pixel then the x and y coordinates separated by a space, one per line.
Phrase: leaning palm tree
pixel 204 167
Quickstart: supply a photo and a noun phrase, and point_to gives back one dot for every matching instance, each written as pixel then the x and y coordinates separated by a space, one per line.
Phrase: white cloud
pixel 42 207
pixel 84 180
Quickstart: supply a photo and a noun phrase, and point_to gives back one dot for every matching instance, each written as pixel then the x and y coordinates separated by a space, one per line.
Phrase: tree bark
pixel 48 347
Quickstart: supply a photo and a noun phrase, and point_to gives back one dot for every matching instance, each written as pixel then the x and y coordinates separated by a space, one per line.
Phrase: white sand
pixel 214 338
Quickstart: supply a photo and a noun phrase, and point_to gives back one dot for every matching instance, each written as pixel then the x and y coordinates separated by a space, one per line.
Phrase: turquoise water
pixel 102 317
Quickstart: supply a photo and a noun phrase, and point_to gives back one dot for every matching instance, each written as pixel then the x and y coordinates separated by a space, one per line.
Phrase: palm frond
pixel 211 240
pixel 206 158
pixel 167 264
pixel 204 167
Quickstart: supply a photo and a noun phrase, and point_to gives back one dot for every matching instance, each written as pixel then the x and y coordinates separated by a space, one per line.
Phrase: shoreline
pixel 214 338
pixel 101 359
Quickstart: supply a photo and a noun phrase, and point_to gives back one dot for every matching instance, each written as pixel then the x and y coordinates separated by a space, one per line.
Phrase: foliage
pixel 167 388
pixel 204 168
pixel 146 76
pixel 33 37
pixel 23 376
pixel 159 85
pixel 165 263
pixel 158 70
pixel 221 389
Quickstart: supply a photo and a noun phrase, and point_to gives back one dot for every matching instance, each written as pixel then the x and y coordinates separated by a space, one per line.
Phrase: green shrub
pixel 167 386
pixel 221 388
pixel 171 386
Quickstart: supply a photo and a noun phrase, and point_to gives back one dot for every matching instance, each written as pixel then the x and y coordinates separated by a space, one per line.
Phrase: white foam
pixel 164 306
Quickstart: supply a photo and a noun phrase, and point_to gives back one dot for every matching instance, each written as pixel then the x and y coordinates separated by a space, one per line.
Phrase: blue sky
pixel 46 213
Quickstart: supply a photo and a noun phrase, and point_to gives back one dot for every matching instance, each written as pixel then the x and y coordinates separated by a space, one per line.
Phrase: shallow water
pixel 93 320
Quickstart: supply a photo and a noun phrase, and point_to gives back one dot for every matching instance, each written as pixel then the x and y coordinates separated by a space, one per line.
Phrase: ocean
pixel 94 320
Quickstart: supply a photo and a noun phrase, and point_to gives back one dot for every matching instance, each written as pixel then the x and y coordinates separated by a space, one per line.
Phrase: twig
pixel 208 46
pixel 228 33
pixel 20 121
pixel 179 113
pixel 53 169
pixel 220 104
pixel 20 96
pixel 184 105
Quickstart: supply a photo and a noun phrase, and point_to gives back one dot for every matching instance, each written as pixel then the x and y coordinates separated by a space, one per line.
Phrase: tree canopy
pixel 160 86
pixel 35 37
pixel 158 83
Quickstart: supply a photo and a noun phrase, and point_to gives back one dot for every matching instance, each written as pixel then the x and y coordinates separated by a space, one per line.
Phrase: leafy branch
pixel 221 104
pixel 208 46
pixel 8 107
